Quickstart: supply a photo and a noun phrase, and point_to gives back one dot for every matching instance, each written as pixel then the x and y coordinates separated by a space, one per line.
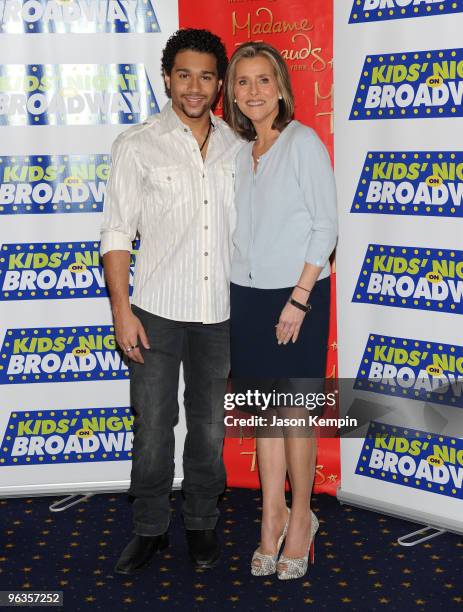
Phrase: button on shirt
pixel 286 211
pixel 183 210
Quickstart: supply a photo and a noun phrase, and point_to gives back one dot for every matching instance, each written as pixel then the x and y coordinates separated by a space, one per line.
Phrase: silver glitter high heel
pixel 268 563
pixel 297 568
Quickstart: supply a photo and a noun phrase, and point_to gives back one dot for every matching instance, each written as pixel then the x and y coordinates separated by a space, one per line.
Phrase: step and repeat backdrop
pixel 399 170
pixel 73 75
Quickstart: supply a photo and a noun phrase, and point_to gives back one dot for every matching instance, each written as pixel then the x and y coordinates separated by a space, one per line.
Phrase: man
pixel 172 181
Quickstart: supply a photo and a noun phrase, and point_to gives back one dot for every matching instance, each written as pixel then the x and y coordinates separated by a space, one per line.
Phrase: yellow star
pixel 129 600
pixel 448 585
pixel 97 571
pixel 27 569
pixel 65 570
pixel 63 582
pixel 308 600
pixel 164 597
pixel 200 598
pixel 165 584
pixel 306 584
pixel 273 598
pixel 332 477
pixel 99 583
pixel 126 584
pixel 199 586
pixel 367 558
pixel 336 569
pixel 372 572
pixel 407 571
pixel 346 600
pixel 268 582
pixel 378 585
pixel 458 599
pixel 234 598
pixel 407 585
pixel 420 602
pixel 383 600
pixel 236 583
pixel 439 570
pixel 90 598
pixel 343 583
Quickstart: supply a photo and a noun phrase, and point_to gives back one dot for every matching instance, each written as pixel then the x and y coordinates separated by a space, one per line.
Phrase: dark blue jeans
pixel 205 352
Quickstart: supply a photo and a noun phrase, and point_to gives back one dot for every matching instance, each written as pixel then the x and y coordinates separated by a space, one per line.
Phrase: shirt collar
pixel 170 120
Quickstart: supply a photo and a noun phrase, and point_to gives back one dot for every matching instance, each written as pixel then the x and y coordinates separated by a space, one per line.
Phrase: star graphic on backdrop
pixel 384 600
pixel 308 600
pixel 332 477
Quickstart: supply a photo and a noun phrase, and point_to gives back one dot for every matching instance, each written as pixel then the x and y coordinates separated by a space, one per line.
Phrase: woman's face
pixel 256 89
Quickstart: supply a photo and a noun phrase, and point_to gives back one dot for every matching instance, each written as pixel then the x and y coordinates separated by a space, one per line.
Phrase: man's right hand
pixel 129 334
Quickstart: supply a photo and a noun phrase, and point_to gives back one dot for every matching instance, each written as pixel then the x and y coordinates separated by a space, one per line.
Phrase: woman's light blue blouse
pixel 286 211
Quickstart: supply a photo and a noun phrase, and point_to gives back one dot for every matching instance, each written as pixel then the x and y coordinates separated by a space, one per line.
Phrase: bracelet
pixel 303 288
pixel 303 307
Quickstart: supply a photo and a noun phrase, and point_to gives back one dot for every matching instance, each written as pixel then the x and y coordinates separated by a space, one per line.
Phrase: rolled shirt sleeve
pixel 122 203
pixel 317 180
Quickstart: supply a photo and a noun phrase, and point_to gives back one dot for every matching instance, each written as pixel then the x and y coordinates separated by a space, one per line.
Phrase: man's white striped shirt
pixel 183 209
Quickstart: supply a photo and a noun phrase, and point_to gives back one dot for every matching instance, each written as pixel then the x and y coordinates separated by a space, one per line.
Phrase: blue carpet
pixel 358 563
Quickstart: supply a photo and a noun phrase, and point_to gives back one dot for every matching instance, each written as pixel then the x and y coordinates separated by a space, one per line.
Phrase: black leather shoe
pixel 139 553
pixel 203 546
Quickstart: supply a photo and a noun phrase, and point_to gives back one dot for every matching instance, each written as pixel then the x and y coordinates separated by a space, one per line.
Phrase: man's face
pixel 193 83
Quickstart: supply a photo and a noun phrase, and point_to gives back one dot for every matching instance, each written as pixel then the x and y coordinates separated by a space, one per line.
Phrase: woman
pixel 286 231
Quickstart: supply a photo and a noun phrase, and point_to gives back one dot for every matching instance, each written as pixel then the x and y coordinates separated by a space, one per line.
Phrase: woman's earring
pixel 280 97
pixel 234 100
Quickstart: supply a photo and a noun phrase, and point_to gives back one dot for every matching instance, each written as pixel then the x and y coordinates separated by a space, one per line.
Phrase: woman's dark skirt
pixel 259 363
pixel 255 352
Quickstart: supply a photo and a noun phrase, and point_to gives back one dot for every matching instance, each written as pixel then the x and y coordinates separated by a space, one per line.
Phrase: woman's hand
pixel 290 321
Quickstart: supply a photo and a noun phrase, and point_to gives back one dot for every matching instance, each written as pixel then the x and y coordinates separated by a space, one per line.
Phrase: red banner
pixel 303 32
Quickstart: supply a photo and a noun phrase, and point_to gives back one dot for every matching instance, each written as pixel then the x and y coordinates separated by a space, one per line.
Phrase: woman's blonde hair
pixel 232 114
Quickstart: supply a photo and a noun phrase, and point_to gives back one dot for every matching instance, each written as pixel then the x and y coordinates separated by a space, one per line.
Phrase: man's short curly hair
pixel 192 39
